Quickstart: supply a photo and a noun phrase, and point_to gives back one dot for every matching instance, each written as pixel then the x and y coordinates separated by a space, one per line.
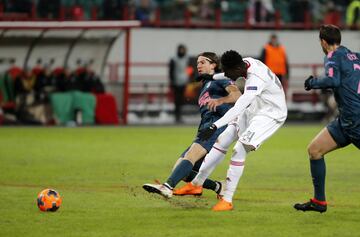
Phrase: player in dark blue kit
pixel 216 98
pixel 342 69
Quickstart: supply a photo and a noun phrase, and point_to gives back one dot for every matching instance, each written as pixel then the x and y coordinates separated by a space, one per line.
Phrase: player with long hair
pixel 216 98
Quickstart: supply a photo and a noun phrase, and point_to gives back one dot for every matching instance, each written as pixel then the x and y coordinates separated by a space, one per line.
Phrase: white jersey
pixel 263 95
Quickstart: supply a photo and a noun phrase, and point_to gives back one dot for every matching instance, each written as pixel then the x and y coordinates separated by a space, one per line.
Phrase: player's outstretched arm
pixel 241 104
pixel 232 97
pixel 331 78
pixel 322 83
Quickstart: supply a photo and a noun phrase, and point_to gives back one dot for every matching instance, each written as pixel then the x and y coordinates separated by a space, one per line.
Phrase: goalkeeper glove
pixel 206 133
pixel 307 85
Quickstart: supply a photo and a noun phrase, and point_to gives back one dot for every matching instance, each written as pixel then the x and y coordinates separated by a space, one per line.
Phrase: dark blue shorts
pixel 344 136
pixel 208 144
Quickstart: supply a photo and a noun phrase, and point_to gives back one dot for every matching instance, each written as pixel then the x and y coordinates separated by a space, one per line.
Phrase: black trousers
pixel 178 100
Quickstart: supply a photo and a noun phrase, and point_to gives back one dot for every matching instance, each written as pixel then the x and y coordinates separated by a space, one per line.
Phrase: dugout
pixel 68 44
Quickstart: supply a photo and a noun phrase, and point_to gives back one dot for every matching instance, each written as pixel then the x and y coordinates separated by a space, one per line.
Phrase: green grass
pixel 100 171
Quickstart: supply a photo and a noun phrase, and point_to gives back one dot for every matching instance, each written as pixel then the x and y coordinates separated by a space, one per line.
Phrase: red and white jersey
pixel 263 95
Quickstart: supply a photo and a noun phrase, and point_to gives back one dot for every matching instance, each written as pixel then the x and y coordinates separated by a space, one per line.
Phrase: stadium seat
pixel 105 111
pixel 85 102
pixel 62 107
pixel 66 104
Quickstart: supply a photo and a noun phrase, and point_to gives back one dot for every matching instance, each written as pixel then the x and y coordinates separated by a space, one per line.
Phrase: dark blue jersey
pixel 342 68
pixel 212 90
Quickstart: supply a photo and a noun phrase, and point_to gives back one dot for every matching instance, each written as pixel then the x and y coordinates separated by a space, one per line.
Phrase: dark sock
pixel 190 177
pixel 208 184
pixel 318 173
pixel 182 170
pixel 198 164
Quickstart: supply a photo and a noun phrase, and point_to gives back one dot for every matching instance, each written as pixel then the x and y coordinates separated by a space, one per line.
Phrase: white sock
pixel 216 155
pixel 235 171
pixel 212 159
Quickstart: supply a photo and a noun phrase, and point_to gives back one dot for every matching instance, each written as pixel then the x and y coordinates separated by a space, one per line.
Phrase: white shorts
pixel 256 130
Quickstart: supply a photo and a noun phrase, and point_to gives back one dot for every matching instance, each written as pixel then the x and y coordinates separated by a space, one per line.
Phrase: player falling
pixel 216 98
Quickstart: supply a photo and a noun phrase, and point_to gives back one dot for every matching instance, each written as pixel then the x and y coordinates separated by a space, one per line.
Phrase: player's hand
pixel 213 103
pixel 307 85
pixel 204 77
pixel 206 133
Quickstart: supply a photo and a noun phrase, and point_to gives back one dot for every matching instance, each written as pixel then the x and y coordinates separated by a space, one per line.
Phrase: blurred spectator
pixel 73 95
pixel 38 68
pixel 353 14
pixel 179 78
pixel 96 84
pixel 74 101
pixel 7 93
pixel 14 70
pixel 282 6
pixel 65 79
pixel 233 10
pixel 25 99
pixel 77 11
pixel 145 10
pixel 113 9
pixel 184 11
pixel 87 80
pixel 207 10
pixel 332 15
pixel 202 9
pixel 298 9
pixel 49 9
pixel 18 6
pixel 261 11
pixel 274 56
pixel 317 11
pixel 45 84
pixel 7 89
pixel 172 10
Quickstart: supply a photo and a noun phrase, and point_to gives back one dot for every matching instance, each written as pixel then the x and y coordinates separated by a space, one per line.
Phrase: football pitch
pixel 99 172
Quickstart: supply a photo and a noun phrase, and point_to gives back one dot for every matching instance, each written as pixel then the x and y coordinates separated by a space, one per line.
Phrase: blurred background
pixel 110 62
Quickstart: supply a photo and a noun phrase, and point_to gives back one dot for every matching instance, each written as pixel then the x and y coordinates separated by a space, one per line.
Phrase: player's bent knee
pixel 314 152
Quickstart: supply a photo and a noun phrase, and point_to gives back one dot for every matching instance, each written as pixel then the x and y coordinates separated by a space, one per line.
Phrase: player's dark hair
pixel 331 34
pixel 232 59
pixel 213 59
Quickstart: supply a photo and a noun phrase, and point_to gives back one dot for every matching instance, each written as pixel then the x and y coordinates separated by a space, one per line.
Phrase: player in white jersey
pixel 256 115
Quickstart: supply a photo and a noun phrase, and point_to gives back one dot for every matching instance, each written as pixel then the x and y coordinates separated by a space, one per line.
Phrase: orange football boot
pixel 223 205
pixel 189 189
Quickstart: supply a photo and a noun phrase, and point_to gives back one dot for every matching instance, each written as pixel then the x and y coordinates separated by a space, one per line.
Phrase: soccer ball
pixel 49 200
